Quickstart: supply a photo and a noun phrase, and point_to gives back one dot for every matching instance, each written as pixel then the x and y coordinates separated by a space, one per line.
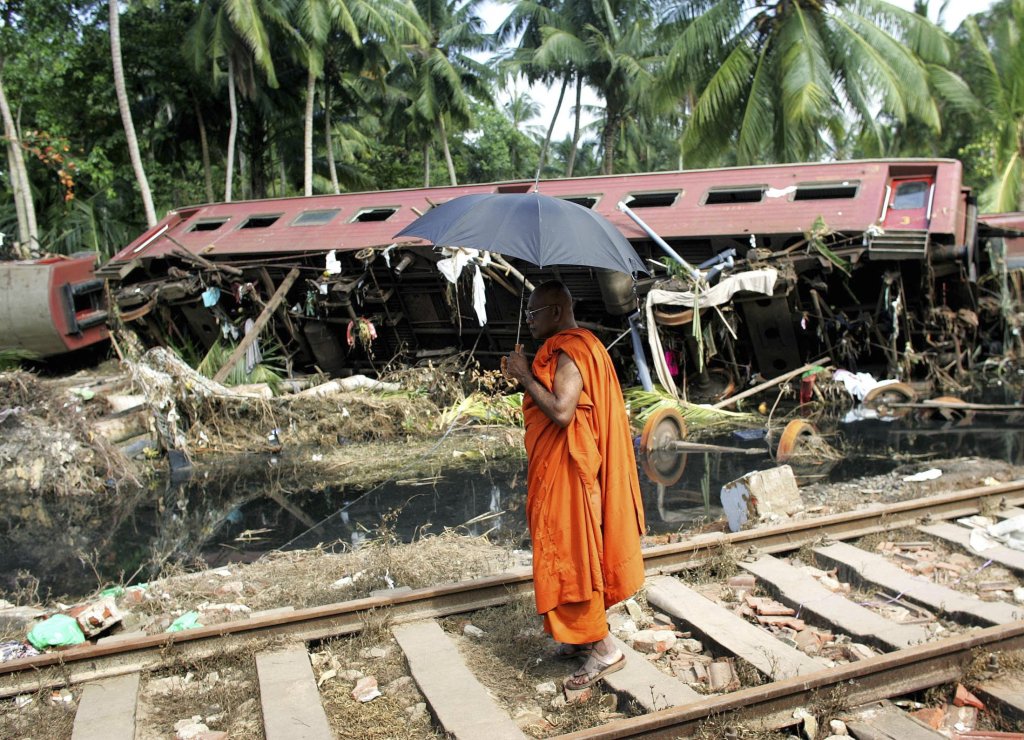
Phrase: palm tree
pixel 126 113
pixel 779 80
pixel 614 48
pixel 441 73
pixel 995 67
pixel 316 19
pixel 28 231
pixel 235 33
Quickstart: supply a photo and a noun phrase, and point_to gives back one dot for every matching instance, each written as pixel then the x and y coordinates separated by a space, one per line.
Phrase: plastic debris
pixel 187 621
pixel 13 650
pixel 96 617
pixel 930 474
pixel 60 630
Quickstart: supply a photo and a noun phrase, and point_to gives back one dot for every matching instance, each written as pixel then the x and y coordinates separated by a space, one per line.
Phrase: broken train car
pixel 878 264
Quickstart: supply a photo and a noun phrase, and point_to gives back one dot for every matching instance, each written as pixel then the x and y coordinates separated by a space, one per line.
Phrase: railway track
pixel 907 658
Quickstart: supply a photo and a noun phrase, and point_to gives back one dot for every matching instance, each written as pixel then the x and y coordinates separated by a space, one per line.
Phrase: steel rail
pixel 118 655
pixel 771 707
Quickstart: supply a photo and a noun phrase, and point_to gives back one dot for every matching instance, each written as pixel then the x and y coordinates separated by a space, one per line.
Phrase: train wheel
pixel 663 427
pixel 880 399
pixel 795 437
pixel 663 466
pixel 946 411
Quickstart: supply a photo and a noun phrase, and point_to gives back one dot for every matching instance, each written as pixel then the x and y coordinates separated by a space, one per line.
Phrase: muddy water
pixel 247 510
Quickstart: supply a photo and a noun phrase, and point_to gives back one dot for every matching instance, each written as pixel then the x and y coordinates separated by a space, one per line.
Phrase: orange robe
pixel 583 495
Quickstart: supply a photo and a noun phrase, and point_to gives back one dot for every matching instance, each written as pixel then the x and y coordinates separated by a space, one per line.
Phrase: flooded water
pixel 244 511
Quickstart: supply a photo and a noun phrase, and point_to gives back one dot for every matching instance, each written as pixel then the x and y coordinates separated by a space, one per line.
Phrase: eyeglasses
pixel 531 312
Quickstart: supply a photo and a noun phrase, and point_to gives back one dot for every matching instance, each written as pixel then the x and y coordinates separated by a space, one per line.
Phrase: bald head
pixel 554 292
pixel 549 310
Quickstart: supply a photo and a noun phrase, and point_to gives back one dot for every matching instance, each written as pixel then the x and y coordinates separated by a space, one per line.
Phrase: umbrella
pixel 537 228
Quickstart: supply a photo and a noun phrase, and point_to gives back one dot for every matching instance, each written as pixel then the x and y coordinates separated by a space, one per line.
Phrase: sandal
pixel 595 668
pixel 567 650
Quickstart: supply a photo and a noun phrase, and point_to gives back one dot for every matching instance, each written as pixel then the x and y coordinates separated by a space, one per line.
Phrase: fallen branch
pixel 770 383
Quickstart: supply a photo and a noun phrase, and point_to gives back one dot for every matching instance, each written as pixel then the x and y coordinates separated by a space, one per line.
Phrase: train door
pixel 908 202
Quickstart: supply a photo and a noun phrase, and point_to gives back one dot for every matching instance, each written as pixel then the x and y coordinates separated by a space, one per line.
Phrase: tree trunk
pixel 126 113
pixel 426 164
pixel 18 246
pixel 307 135
pixel 613 114
pixel 447 151
pixel 229 166
pixel 551 127
pixel 328 140
pixel 28 232
pixel 204 146
pixel 256 158
pixel 576 127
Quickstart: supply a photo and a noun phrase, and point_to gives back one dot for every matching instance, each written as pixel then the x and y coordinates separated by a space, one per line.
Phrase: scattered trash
pixel 930 474
pixel 187 621
pixel 13 650
pixel 761 493
pixel 366 689
pixel 96 617
pixel 60 630
pixel 965 698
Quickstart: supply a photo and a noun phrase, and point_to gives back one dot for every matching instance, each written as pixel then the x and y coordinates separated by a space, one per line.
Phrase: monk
pixel 583 496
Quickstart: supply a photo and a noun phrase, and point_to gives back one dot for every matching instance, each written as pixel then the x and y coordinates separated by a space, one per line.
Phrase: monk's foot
pixel 567 651
pixel 595 668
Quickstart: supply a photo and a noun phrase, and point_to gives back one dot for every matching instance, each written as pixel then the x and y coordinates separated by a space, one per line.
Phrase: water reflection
pixel 252 505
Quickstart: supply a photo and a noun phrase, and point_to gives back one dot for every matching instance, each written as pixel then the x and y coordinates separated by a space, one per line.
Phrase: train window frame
pixel 369 215
pixel 711 197
pixel 654 198
pixel 593 200
pixel 846 190
pixel 260 221
pixel 208 224
pixel 315 217
pixel 925 186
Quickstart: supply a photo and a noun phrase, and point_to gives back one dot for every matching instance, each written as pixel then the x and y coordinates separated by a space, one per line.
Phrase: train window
pixel 260 222
pixel 316 218
pixel 517 188
pixel 207 224
pixel 653 200
pixel 587 201
pixel 719 196
pixel 912 194
pixel 826 190
pixel 374 214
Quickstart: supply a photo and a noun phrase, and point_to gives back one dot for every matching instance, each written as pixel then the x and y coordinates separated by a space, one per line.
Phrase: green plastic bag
pixel 186 621
pixel 60 630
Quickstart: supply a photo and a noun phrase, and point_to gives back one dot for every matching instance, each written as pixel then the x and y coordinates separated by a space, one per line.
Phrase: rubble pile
pixel 983 578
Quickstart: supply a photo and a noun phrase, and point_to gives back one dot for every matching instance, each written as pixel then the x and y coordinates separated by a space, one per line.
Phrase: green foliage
pixel 719 81
pixel 11 359
pixel 644 403
pixel 263 372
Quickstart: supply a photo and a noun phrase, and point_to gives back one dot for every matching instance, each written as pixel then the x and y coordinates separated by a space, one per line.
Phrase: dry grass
pixel 719 562
pixel 41 719
pixel 514 657
pixel 385 717
pixel 306 578
pixel 223 691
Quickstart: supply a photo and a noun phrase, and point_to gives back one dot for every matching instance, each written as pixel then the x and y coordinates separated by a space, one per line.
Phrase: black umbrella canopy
pixel 537 228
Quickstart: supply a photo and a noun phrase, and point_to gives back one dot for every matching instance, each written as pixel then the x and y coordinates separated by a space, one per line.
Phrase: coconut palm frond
pixel 644 403
pixel 489 409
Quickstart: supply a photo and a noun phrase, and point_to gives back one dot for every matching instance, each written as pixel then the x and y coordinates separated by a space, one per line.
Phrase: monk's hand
pixel 514 365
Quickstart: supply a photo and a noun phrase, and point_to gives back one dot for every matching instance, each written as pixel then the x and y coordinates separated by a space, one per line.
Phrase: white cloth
pixel 479 297
pixel 253 356
pixel 754 281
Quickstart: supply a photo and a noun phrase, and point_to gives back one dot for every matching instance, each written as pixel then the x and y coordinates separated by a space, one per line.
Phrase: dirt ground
pixel 70 464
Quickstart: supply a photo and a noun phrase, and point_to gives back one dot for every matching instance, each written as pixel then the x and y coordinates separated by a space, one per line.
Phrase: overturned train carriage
pixel 878 264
